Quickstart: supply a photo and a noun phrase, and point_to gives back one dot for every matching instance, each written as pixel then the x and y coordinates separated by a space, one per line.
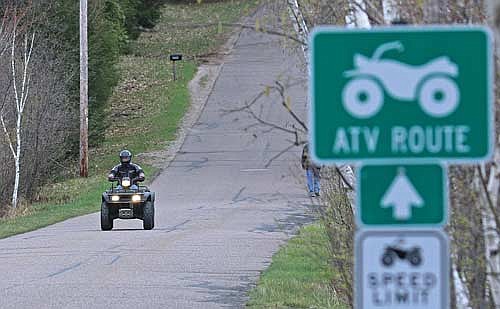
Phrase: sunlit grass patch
pixel 299 276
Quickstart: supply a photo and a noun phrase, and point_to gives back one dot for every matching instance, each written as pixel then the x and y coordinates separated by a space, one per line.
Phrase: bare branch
pixel 281 90
pixel 243 26
pixel 484 187
pixel 269 124
pixel 344 179
pixel 8 137
pixel 13 64
pixel 278 155
pixel 246 106
pixel 26 79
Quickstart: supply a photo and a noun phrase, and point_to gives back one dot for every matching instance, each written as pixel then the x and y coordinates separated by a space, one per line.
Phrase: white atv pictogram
pixel 432 83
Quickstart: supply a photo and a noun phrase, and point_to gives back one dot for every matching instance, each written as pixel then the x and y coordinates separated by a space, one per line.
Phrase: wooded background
pixel 50 123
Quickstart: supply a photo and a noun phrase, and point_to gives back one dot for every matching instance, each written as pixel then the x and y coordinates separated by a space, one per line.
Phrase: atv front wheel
pixel 439 96
pixel 106 221
pixel 148 221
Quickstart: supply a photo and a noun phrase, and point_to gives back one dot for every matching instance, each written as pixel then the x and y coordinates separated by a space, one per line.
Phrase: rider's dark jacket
pixel 131 170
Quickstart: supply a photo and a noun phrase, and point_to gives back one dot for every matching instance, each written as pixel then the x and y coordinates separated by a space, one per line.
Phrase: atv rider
pixel 127 168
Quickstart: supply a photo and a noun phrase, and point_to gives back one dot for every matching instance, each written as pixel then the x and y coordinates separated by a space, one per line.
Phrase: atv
pixel 391 253
pixel 127 202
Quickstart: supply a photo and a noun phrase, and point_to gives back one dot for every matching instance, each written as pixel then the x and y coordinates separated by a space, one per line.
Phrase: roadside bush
pixel 338 218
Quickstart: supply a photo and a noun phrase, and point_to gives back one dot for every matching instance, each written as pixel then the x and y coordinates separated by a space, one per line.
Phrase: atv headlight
pixel 136 198
pixel 125 183
pixel 115 198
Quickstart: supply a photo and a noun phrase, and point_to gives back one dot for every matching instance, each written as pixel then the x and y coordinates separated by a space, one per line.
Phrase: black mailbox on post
pixel 175 57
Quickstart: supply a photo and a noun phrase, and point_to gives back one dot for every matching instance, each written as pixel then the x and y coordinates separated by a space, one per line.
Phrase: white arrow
pixel 402 196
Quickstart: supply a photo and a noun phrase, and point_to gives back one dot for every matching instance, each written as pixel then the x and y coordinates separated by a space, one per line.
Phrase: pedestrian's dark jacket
pixel 131 170
pixel 307 162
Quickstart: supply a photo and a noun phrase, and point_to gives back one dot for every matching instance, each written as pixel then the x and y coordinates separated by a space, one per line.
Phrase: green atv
pixel 127 202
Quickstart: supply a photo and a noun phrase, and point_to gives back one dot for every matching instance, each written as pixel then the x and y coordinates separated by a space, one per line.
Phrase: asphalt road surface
pixel 220 213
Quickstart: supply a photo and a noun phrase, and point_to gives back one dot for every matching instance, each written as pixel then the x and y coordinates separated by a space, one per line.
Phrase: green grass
pixel 299 275
pixel 79 202
pixel 145 109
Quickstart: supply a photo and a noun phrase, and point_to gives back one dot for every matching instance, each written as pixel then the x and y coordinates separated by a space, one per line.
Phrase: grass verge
pixel 299 275
pixel 145 109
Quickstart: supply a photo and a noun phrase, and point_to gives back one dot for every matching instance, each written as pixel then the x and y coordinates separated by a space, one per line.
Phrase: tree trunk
pixel 491 235
pixel 20 100
pixel 462 299
pixel 359 15
pixel 434 11
pixel 299 24
pixel 17 160
pixel 375 12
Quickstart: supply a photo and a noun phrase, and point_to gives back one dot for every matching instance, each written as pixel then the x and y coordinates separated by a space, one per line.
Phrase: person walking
pixel 312 172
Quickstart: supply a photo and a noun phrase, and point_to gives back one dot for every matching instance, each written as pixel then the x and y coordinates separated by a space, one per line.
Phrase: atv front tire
pixel 148 222
pixel 106 221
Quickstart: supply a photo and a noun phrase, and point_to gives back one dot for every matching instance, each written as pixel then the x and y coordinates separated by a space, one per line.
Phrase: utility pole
pixel 84 100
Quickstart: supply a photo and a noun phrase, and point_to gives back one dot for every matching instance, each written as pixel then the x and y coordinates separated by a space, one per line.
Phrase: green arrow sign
pixel 420 94
pixel 402 195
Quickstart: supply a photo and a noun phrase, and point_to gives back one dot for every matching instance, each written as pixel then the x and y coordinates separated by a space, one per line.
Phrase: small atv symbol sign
pixel 391 253
pixel 431 83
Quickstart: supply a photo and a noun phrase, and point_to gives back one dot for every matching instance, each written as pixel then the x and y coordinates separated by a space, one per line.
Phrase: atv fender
pixel 105 197
pixel 150 197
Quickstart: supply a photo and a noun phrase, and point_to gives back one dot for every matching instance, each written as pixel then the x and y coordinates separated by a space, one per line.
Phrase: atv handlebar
pixel 136 179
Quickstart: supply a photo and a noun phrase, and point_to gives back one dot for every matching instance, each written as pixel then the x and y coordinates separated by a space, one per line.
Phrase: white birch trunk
pixel 299 24
pixel 360 18
pixel 17 161
pixel 462 298
pixel 20 100
pixel 18 122
pixel 390 11
pixel 491 236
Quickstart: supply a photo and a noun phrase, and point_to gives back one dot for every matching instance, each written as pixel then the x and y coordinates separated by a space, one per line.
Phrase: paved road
pixel 220 213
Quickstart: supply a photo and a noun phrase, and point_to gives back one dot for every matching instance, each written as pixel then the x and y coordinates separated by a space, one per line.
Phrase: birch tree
pixel 490 197
pixel 20 85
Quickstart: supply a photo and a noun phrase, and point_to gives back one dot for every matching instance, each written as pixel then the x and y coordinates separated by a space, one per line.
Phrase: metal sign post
pixel 174 58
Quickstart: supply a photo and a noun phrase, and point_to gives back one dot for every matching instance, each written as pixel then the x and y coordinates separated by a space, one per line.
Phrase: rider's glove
pixel 141 177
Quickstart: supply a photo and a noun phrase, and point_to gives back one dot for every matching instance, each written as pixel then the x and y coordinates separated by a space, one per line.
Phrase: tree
pixel 20 86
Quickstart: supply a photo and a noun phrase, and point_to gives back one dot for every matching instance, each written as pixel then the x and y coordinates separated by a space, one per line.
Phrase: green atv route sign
pixel 410 93
pixel 402 195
